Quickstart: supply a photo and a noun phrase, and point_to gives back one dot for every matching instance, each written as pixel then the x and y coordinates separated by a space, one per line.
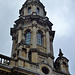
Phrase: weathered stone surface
pixel 32 53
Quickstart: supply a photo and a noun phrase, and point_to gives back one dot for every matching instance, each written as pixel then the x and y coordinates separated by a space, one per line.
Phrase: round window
pixel 45 70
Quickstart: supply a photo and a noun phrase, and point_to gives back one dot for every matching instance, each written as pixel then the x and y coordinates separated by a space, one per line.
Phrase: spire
pixel 60 53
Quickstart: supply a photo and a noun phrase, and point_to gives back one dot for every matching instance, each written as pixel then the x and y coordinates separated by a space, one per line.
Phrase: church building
pixel 32 47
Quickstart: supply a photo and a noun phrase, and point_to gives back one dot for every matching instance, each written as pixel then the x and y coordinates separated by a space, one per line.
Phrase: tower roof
pixel 33 2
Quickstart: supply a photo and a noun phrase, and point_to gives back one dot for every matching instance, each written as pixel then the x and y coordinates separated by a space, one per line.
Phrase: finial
pixel 60 53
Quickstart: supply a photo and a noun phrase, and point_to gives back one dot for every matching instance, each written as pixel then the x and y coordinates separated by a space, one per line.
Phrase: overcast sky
pixel 60 12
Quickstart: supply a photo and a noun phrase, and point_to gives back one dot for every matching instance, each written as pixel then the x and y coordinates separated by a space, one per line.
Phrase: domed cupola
pixel 32 7
pixel 61 64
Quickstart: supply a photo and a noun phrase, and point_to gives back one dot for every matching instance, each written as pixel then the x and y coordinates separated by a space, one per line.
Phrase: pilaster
pixel 48 40
pixel 52 33
pixel 34 56
pixel 51 46
pixel 13 48
pixel 44 41
pixel 19 35
pixel 34 42
pixel 20 52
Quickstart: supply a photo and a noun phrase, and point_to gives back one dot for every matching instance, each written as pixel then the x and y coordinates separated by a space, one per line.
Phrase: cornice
pixel 26 60
pixel 46 55
pixel 41 53
pixel 20 20
pixel 44 21
pixel 61 58
pixel 39 19
pixel 17 69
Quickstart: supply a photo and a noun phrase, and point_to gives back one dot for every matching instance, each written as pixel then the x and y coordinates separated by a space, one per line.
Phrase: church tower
pixel 32 48
pixel 32 37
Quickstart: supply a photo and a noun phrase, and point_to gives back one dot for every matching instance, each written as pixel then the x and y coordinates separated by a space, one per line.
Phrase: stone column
pixel 13 45
pixel 23 37
pixel 51 46
pixel 34 38
pixel 13 48
pixel 34 57
pixel 20 62
pixel 48 40
pixel 27 54
pixel 20 53
pixel 19 35
pixel 44 41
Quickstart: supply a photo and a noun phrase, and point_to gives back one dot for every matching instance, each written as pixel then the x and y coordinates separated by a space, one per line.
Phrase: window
pixel 29 10
pixel 28 37
pixel 64 64
pixel 39 39
pixel 37 10
pixel 45 70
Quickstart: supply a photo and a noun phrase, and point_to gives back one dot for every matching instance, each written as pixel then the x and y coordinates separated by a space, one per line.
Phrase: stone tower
pixel 32 49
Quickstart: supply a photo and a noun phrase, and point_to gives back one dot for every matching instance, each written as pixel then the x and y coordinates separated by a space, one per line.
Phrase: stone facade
pixel 32 49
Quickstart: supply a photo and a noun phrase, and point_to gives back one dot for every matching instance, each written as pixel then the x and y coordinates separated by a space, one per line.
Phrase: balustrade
pixel 4 60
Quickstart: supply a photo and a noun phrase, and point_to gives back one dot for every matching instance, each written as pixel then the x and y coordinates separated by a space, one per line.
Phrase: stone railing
pixel 4 60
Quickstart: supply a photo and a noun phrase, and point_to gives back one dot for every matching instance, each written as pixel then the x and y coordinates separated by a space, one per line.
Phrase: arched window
pixel 29 10
pixel 39 39
pixel 37 10
pixel 28 37
pixel 64 64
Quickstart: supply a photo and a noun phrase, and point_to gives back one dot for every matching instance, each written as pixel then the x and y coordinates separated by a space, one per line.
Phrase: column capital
pixel 20 28
pixel 47 29
pixel 34 23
